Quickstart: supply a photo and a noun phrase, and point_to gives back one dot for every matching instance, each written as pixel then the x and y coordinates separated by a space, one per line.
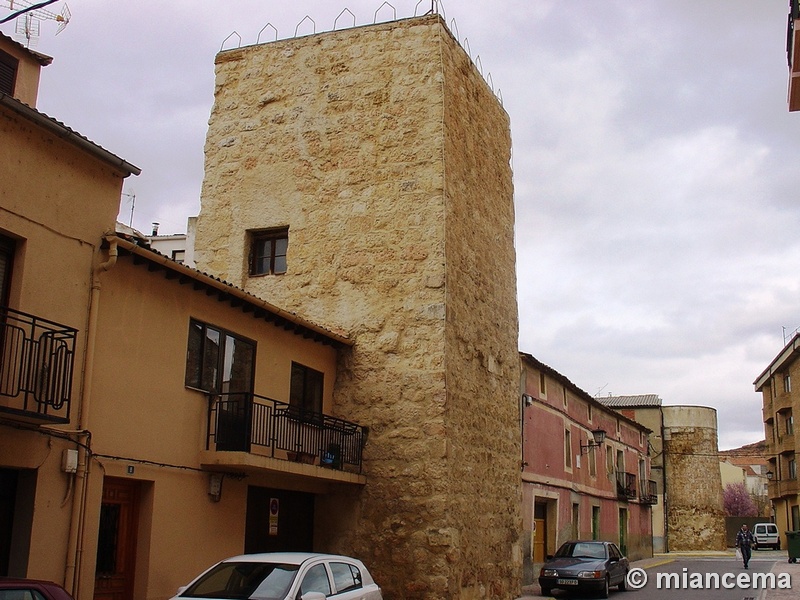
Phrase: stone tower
pixel 695 516
pixel 386 155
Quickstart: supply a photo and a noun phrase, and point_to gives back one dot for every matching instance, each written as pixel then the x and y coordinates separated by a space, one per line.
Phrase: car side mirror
pixel 313 596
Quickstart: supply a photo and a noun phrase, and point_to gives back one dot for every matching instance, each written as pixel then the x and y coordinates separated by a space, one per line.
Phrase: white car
pixel 284 576
pixel 766 534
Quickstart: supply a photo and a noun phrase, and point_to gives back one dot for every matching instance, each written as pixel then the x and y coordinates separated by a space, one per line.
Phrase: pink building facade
pixel 577 481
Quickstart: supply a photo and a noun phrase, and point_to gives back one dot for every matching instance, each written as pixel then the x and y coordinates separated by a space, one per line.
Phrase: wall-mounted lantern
pixel 598 437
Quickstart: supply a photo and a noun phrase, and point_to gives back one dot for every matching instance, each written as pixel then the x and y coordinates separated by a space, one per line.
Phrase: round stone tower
pixel 695 516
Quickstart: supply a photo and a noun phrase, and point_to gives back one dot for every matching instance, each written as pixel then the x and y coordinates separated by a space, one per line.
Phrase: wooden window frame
pixel 214 382
pixel 273 261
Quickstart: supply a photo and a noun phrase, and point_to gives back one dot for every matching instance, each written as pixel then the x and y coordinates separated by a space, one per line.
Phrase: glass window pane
pixel 297 386
pixel 280 264
pixel 314 393
pixel 345 577
pixel 281 244
pixel 107 539
pixel 316 580
pixel 238 365
pixel 194 352
pixel 210 377
pixel 263 248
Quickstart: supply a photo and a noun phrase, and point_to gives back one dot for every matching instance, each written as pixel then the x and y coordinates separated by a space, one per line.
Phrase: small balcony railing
pixel 648 492
pixel 785 443
pixel 626 485
pixel 36 363
pixel 240 421
pixel 783 487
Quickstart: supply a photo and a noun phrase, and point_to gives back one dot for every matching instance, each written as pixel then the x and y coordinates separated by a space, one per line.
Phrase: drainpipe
pixel 78 518
pixel 664 479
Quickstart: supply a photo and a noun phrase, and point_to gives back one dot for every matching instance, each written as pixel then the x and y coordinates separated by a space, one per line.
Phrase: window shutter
pixel 8 73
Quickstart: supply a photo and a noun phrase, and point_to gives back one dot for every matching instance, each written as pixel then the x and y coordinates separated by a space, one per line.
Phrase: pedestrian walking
pixel 744 542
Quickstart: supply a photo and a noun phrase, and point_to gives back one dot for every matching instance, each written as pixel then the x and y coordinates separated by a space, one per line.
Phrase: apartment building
pixel 780 400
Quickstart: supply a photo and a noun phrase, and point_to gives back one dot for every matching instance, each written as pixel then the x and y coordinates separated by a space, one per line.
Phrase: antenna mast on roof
pixel 132 196
pixel 27 27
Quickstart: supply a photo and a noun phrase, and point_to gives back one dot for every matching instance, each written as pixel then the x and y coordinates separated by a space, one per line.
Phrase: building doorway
pixel 278 521
pixel 539 532
pixel 116 540
pixel 17 499
pixel 623 530
pixel 8 497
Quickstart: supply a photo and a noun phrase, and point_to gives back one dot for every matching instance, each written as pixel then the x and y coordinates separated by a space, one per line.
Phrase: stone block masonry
pixel 387 156
pixel 695 518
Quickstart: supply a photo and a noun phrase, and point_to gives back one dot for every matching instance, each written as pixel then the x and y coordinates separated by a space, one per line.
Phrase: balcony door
pixel 221 363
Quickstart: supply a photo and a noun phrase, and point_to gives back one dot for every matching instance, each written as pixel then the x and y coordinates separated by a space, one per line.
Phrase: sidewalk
pixel 533 592
pixel 782 566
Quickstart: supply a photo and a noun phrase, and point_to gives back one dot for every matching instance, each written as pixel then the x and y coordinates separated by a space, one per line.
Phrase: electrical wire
pixel 13 16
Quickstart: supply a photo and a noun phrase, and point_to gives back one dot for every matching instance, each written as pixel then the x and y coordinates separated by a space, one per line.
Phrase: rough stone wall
pixel 386 154
pixel 482 357
pixel 695 517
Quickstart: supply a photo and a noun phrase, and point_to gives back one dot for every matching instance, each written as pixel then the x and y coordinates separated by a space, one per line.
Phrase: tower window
pixel 268 251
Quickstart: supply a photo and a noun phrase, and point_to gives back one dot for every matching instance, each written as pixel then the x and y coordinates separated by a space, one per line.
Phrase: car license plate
pixel 567 582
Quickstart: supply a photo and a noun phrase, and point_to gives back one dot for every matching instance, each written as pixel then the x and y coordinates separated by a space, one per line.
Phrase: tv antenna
pixel 29 15
pixel 132 196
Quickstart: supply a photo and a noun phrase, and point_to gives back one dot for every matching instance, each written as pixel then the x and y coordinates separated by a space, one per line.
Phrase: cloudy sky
pixel 654 161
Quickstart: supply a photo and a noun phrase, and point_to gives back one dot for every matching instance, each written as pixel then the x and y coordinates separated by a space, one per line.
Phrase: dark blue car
pixel 585 566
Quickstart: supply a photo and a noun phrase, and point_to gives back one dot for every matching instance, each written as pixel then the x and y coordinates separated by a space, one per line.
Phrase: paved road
pixel 705 576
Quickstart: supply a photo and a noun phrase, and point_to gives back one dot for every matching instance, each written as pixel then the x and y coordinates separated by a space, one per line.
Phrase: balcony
pixel 626 485
pixel 36 363
pixel 785 443
pixel 278 436
pixel 782 402
pixel 783 487
pixel 648 492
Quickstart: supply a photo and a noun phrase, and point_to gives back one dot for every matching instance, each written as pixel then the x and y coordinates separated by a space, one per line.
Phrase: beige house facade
pixel 59 195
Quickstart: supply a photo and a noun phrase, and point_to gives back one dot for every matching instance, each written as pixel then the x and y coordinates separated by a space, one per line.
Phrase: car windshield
pixel 582 550
pixel 240 580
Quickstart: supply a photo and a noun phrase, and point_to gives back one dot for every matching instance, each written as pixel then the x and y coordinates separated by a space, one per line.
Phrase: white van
pixel 766 535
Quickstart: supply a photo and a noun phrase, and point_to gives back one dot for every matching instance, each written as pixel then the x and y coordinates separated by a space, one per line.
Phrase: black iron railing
pixel 626 485
pixel 239 421
pixel 36 362
pixel 648 492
